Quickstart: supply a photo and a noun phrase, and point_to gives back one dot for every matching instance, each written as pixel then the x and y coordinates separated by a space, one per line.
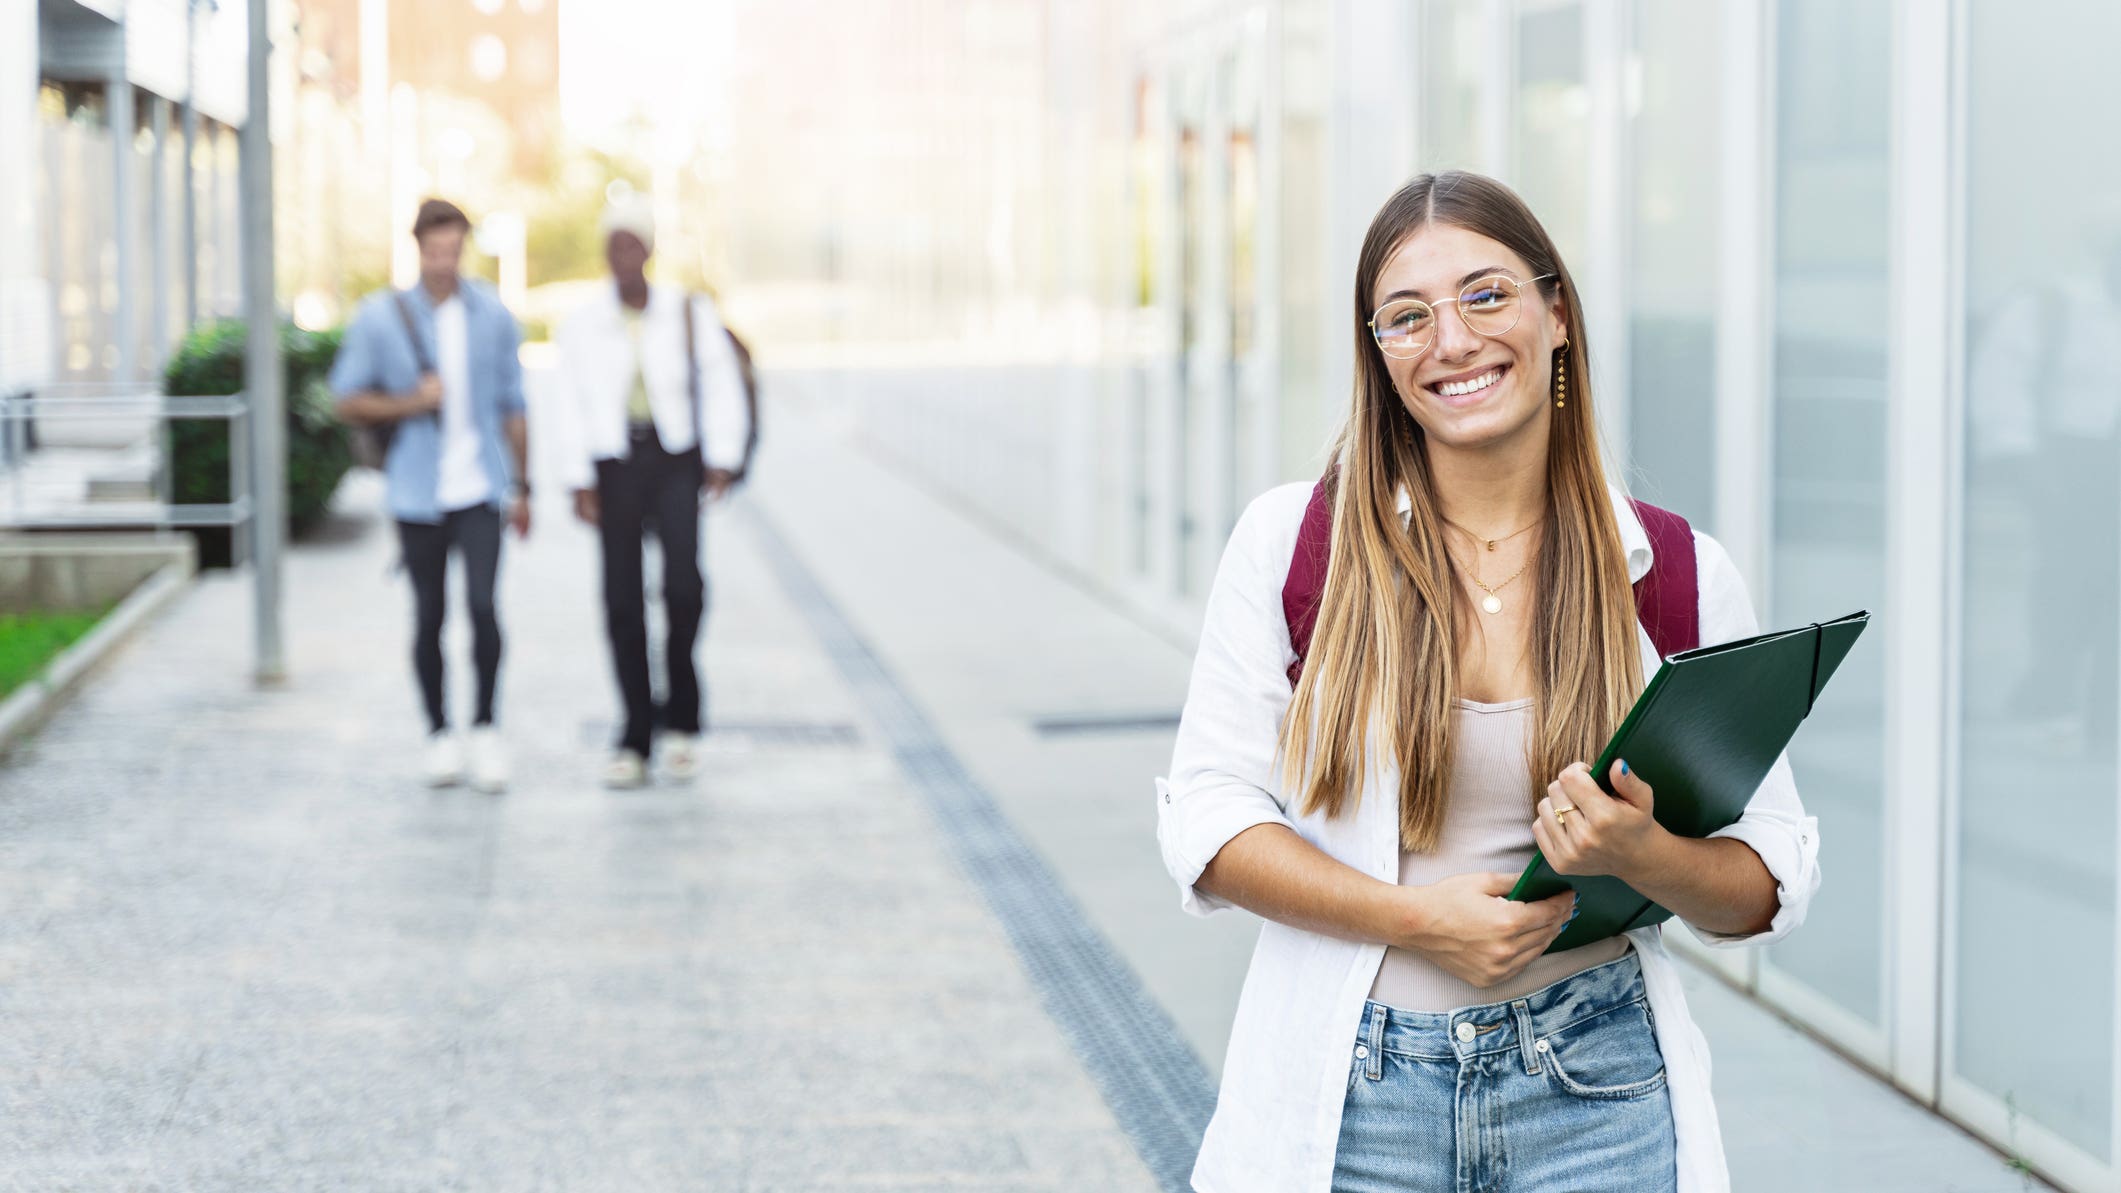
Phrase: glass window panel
pixel 1553 114
pixel 1673 125
pixel 2042 566
pixel 1832 170
pixel 1454 56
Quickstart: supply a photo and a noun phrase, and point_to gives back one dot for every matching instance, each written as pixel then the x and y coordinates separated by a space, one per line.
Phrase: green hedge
pixel 210 362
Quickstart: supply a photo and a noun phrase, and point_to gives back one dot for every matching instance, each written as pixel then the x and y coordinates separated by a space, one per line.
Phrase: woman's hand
pixel 1468 927
pixel 1582 830
pixel 586 505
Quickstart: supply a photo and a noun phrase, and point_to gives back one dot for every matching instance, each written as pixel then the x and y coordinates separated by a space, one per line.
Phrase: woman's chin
pixel 1490 424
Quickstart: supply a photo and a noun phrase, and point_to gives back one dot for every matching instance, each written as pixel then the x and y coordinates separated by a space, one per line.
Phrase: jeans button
pixel 1465 1032
pixel 1362 1052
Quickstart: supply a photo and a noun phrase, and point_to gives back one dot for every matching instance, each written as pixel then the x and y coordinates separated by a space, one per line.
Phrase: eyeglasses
pixel 1404 328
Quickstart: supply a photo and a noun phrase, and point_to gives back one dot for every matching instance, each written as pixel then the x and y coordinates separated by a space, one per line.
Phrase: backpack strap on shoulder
pixel 1668 597
pixel 1306 581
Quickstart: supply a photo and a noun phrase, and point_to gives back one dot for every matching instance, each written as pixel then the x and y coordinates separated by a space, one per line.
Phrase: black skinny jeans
pixel 476 534
pixel 652 491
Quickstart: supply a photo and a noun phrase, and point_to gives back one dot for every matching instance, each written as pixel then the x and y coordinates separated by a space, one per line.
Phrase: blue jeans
pixel 1562 1089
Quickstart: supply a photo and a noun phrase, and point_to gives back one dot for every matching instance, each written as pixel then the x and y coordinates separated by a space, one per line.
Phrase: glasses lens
pixel 1490 305
pixel 1404 328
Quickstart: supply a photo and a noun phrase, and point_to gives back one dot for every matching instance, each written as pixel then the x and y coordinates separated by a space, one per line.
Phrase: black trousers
pixel 652 491
pixel 476 535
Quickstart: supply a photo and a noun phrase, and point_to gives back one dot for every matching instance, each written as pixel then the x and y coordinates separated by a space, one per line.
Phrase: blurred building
pixel 1852 272
pixel 118 214
pixel 393 101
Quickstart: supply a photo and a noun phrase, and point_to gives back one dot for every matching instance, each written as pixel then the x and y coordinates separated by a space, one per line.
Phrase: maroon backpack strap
pixel 1306 582
pixel 1668 597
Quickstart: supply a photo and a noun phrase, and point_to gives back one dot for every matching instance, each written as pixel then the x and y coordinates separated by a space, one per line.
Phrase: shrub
pixel 210 362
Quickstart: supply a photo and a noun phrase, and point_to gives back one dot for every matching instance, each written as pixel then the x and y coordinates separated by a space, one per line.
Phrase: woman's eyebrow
pixel 1484 272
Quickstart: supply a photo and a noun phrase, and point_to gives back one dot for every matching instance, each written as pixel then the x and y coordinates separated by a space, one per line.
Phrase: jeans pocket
pixel 1610 1057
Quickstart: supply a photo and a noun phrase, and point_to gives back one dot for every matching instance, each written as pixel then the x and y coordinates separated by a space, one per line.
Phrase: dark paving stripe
pixel 1106 723
pixel 1149 1076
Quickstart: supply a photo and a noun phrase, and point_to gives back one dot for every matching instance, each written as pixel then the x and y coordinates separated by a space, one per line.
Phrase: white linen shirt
pixel 597 363
pixel 1277 1121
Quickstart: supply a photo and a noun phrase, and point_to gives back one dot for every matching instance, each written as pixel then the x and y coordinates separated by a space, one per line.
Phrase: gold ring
pixel 1561 812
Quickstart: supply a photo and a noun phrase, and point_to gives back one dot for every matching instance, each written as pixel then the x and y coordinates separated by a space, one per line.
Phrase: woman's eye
pixel 1486 297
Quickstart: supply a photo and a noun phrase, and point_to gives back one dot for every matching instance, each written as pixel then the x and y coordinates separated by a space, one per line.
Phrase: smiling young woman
pixel 1373 791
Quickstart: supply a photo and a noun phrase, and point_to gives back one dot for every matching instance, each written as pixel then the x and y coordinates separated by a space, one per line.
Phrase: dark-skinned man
pixel 662 425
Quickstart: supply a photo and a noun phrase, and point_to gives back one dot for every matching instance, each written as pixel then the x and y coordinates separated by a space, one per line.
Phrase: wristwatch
pixel 522 489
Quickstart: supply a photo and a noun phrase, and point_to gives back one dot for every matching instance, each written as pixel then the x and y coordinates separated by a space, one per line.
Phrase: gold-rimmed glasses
pixel 1405 327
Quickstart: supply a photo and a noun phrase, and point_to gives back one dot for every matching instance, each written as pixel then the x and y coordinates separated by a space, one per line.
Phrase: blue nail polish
pixel 1574 914
pixel 1623 766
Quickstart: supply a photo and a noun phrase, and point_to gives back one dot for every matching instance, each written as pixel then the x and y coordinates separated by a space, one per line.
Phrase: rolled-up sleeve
pixel 1774 824
pixel 1223 778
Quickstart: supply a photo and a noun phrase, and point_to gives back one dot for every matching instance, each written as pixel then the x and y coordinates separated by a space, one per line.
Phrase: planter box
pixel 66 572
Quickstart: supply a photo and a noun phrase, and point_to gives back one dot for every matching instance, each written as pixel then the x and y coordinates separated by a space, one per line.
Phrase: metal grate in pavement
pixel 1157 1089
pixel 1096 723
pixel 599 732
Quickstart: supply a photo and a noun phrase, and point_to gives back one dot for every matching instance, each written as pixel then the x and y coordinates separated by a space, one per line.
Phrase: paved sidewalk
pixel 241 949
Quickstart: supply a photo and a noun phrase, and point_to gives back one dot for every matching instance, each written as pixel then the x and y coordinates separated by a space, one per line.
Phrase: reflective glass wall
pixel 1674 131
pixel 1832 180
pixel 2040 570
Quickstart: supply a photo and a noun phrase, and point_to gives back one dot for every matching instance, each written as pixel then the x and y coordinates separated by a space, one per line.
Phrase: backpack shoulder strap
pixel 1668 597
pixel 412 333
pixel 1306 581
pixel 692 382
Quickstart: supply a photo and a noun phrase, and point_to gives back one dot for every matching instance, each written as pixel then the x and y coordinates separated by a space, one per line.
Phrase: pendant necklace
pixel 1492 604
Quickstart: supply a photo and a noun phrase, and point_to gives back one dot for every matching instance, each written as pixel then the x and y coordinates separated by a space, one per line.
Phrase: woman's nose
pixel 1454 340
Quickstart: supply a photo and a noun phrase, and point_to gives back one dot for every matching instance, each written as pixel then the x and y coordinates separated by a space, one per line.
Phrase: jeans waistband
pixel 1510 1026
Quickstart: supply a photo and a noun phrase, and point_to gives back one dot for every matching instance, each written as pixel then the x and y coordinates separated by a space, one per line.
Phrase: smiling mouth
pixel 1472 385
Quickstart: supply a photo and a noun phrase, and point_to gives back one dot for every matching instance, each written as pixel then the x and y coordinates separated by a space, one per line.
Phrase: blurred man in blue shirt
pixel 433 372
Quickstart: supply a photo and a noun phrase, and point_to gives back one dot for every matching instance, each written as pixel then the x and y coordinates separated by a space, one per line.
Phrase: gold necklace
pixel 1492 604
pixel 1491 542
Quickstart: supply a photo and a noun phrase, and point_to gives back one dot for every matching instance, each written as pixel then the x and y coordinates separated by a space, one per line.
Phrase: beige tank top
pixel 1488 827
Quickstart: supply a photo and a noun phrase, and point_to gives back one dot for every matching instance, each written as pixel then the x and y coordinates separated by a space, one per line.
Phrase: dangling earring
pixel 1561 378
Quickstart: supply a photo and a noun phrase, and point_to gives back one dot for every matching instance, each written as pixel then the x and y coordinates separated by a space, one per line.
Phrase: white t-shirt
pixel 463 482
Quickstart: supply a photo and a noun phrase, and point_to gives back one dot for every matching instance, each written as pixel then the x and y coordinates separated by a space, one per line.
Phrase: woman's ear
pixel 1559 312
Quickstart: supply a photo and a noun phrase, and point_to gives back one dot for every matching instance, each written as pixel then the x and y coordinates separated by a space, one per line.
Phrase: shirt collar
pixel 427 301
pixel 1634 540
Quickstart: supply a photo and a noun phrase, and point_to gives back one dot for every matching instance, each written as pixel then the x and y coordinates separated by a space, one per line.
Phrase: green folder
pixel 1707 729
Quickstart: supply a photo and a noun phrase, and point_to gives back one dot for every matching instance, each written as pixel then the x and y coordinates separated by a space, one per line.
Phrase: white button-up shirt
pixel 597 367
pixel 1277 1121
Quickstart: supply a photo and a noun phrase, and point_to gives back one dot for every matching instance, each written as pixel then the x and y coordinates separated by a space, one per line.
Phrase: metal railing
pixel 23 411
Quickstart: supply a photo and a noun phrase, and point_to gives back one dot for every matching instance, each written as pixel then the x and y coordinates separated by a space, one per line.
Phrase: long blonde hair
pixel 1390 618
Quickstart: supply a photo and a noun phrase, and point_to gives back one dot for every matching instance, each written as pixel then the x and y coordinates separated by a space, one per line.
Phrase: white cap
pixel 630 213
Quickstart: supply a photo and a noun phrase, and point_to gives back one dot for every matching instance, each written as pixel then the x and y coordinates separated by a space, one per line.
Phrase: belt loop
pixel 1375 1068
pixel 1521 1012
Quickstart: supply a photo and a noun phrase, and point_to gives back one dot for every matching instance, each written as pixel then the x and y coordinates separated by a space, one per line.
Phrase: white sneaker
pixel 680 753
pixel 444 765
pixel 489 760
pixel 625 771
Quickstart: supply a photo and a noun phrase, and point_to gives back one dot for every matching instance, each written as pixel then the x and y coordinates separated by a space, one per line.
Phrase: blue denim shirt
pixel 376 355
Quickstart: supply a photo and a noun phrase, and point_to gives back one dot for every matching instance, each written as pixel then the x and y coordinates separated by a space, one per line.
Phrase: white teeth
pixel 1454 389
